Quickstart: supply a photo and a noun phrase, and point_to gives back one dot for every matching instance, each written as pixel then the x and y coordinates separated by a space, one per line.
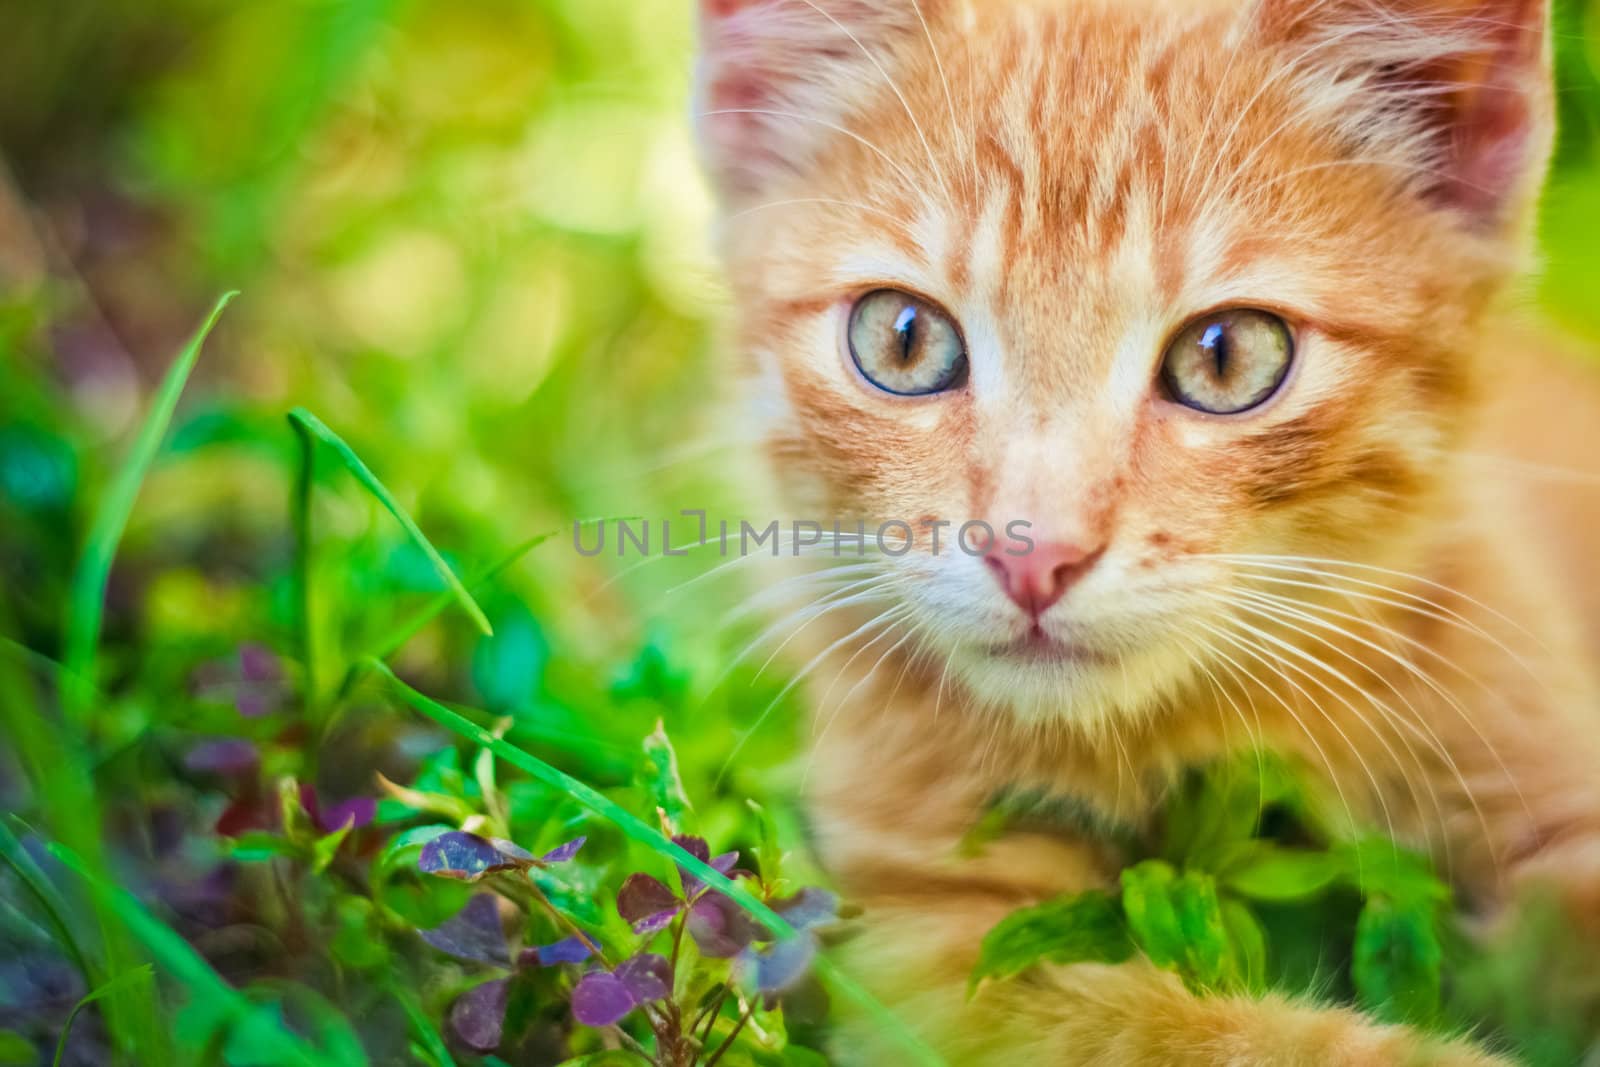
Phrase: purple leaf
pixel 694 846
pixel 513 852
pixel 463 856
pixel 478 1016
pixel 779 968
pixel 474 933
pixel 258 663
pixel 648 977
pixel 720 928
pixel 230 756
pixel 563 853
pixel 654 924
pixel 601 999
pixel 808 908
pixel 571 950
pixel 642 896
pixel 260 682
pixel 354 813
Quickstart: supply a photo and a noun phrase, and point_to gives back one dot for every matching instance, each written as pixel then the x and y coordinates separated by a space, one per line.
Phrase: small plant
pixel 1248 884
pixel 718 972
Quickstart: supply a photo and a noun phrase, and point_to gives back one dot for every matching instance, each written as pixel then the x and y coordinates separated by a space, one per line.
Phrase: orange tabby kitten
pixel 1217 295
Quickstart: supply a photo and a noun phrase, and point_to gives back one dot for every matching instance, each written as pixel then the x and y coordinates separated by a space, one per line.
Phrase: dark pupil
pixel 905 327
pixel 1215 341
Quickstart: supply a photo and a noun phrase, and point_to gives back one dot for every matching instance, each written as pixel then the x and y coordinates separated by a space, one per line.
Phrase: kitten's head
pixel 1174 282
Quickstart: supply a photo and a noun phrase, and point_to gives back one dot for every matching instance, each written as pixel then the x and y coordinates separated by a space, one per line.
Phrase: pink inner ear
pixel 718 9
pixel 1491 145
pixel 1493 114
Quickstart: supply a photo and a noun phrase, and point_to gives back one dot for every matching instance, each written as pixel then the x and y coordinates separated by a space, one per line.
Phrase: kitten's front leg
pixel 917 953
pixel 891 801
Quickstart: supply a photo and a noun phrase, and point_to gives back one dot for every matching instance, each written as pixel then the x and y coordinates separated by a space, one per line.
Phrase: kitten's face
pixel 1173 283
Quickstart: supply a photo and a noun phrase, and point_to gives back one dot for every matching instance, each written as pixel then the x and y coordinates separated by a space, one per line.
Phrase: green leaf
pixel 308 424
pixel 326 847
pixel 1205 938
pixel 142 973
pixel 1079 928
pixel 1247 943
pixel 16 1049
pixel 260 846
pixel 661 777
pixel 769 853
pixel 1267 872
pixel 1396 963
pixel 1378 866
pixel 86 606
pixel 358 942
pixel 1147 903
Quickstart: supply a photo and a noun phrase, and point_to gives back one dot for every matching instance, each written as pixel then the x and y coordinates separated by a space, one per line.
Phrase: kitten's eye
pixel 1229 362
pixel 905 345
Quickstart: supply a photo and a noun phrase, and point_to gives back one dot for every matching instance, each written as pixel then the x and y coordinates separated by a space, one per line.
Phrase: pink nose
pixel 1036 581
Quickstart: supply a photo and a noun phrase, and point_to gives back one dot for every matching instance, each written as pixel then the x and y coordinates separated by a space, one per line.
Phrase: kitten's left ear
pixel 779 78
pixel 1462 87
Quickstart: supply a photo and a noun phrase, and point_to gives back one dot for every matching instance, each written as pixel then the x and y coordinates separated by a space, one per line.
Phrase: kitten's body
pixel 1383 570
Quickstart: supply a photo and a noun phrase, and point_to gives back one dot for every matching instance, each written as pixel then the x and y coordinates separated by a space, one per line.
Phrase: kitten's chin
pixel 1037 680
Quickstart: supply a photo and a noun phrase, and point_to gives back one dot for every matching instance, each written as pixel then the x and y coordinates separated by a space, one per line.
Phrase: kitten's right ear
pixel 778 78
pixel 1459 90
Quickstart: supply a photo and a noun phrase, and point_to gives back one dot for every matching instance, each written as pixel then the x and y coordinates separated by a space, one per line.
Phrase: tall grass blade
pixel 50 900
pixel 305 421
pixel 86 603
pixel 639 831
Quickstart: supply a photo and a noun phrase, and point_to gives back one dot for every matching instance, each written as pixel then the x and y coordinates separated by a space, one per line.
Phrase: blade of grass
pixel 641 832
pixel 142 973
pixel 216 997
pixel 51 902
pixel 314 426
pixel 421 1025
pixel 300 513
pixel 86 604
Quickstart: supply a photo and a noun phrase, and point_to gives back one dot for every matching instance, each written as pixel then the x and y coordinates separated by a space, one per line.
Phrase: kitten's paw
pixel 1395 1047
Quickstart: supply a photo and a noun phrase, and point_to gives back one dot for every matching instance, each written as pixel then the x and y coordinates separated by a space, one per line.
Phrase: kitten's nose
pixel 1037 580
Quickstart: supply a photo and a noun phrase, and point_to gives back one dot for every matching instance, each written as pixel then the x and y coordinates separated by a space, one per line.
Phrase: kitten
pixel 1219 296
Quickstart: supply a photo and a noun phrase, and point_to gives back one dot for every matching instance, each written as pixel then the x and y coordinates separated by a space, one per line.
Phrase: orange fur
pixel 1075 181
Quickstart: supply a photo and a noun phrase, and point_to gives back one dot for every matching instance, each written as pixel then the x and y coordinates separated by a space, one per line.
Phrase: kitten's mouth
pixel 1036 646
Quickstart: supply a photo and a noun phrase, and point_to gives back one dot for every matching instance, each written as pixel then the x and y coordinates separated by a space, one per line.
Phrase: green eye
pixel 906 346
pixel 1228 362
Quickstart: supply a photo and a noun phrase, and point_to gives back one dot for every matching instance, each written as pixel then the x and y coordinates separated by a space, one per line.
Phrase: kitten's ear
pixel 777 78
pixel 1460 87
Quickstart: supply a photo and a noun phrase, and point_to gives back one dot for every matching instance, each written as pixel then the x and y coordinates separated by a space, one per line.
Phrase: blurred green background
pixel 472 238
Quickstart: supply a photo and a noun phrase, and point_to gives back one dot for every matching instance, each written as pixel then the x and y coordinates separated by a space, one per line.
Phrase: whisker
pixel 1419 727
pixel 1332 721
pixel 799 677
pixel 1322 754
pixel 1413 669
